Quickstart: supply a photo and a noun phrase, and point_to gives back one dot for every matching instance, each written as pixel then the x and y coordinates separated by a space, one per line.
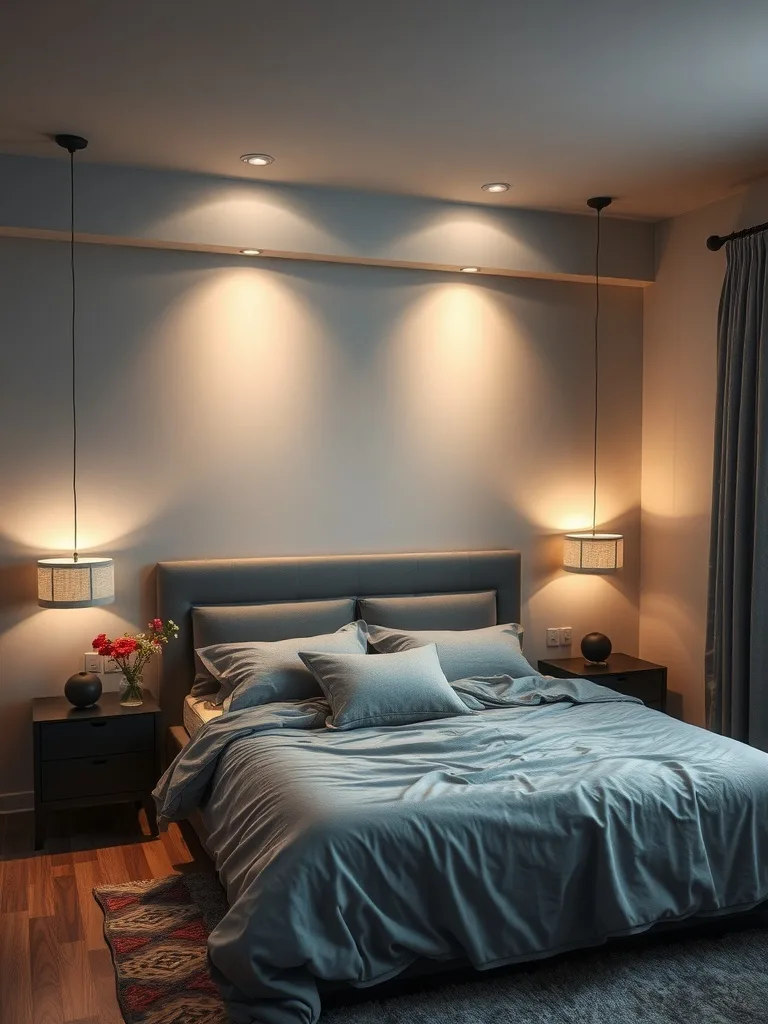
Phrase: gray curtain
pixel 737 620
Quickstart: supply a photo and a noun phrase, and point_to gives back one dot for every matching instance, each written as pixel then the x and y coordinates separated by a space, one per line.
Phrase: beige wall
pixel 679 388
pixel 233 408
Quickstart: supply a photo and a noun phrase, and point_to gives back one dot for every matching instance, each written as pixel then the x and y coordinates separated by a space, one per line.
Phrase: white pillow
pixel 264 672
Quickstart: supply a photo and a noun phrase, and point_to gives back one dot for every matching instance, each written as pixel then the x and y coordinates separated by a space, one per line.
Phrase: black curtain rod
pixel 715 242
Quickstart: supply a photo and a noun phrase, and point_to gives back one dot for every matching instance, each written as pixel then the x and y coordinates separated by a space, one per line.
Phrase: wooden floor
pixel 55 967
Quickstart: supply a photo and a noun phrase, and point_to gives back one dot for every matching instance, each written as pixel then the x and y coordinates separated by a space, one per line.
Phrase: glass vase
pixel 131 689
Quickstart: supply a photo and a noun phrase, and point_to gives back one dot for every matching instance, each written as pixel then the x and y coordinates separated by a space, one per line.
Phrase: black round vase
pixel 596 648
pixel 83 689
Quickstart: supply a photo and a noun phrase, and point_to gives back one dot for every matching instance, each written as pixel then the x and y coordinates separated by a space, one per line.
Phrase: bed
pixel 554 816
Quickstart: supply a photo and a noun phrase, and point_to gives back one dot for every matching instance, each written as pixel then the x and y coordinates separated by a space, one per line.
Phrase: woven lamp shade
pixel 66 583
pixel 593 552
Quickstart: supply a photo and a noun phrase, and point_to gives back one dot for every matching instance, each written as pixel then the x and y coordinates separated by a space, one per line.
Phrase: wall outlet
pixel 110 666
pixel 553 637
pixel 93 662
pixel 565 636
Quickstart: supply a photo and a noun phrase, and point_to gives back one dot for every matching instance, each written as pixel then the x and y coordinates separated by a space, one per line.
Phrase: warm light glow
pixel 448 381
pixel 593 552
pixel 250 252
pixel 496 186
pixel 470 270
pixel 257 159
pixel 67 583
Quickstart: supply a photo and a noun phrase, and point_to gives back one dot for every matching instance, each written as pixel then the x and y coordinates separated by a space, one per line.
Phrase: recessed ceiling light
pixel 496 186
pixel 250 252
pixel 470 270
pixel 257 159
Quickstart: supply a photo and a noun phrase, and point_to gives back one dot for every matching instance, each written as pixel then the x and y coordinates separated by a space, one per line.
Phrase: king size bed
pixel 500 817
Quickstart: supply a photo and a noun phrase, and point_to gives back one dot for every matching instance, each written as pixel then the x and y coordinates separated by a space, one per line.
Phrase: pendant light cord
pixel 597 374
pixel 74 350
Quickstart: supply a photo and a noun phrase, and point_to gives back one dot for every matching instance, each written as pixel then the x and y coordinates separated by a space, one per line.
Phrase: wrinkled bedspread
pixel 559 814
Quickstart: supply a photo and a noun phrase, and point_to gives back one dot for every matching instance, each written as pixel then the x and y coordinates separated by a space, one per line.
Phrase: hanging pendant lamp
pixel 76 582
pixel 597 553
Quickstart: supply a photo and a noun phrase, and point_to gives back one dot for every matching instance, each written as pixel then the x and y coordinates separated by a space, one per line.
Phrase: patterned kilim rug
pixel 158 931
pixel 158 934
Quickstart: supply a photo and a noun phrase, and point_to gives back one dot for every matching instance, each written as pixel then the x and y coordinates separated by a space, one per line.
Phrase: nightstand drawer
pixel 648 686
pixel 96 776
pixel 95 736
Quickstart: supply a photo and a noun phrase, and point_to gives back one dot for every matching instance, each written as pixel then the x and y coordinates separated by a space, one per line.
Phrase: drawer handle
pixel 98 725
pixel 99 760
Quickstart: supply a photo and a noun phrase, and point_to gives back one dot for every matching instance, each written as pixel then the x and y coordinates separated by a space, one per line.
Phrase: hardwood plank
pixel 177 849
pixel 135 862
pixel 78 993
pixel 44 961
pixel 87 876
pixel 112 865
pixel 15 976
pixel 69 925
pixel 158 860
pixel 103 975
pixel 14 881
pixel 40 898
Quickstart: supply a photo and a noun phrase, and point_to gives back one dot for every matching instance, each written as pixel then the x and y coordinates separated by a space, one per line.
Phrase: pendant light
pixel 74 582
pixel 598 553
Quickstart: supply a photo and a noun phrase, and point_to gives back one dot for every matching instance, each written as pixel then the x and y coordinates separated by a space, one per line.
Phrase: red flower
pixel 157 625
pixel 101 645
pixel 123 646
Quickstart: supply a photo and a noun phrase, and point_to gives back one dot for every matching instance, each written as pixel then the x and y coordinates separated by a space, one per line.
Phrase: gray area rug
pixel 667 980
pixel 685 981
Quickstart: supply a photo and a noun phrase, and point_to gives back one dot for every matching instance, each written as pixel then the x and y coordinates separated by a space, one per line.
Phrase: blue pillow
pixel 463 653
pixel 394 689
pixel 262 672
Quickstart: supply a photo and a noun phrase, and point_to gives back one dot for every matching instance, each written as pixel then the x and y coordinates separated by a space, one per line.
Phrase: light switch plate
pixel 565 636
pixel 553 637
pixel 93 662
pixel 110 666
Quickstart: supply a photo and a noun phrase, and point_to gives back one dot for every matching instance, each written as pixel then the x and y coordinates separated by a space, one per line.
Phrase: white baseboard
pixel 13 803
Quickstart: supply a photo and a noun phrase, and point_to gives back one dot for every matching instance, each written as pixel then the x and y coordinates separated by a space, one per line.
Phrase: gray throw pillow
pixel 395 689
pixel 264 672
pixel 463 653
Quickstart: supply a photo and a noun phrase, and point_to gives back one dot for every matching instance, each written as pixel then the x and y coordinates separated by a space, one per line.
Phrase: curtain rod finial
pixel 715 242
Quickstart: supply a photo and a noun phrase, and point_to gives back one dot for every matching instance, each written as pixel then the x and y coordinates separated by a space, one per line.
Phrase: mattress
pixel 198 711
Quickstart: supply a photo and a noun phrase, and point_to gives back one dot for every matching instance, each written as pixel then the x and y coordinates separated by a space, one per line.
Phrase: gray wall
pixel 168 209
pixel 233 408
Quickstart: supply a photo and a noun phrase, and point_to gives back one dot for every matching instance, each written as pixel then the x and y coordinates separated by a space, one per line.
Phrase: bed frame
pixel 183 585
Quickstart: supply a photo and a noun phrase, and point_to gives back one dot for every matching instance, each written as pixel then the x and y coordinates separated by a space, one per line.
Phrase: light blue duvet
pixel 558 815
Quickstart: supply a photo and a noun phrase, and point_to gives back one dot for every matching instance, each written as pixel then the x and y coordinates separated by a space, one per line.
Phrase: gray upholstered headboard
pixel 182 585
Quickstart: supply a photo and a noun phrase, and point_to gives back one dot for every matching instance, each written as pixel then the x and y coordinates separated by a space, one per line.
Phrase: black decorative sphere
pixel 83 689
pixel 596 647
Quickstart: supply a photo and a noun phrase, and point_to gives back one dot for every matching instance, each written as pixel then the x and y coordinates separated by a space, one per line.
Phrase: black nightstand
pixel 106 754
pixel 627 675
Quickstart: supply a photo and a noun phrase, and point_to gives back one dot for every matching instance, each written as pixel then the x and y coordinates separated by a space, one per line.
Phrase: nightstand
pixel 627 675
pixel 106 754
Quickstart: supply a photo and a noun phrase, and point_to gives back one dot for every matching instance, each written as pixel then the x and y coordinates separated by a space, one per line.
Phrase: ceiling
pixel 662 104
